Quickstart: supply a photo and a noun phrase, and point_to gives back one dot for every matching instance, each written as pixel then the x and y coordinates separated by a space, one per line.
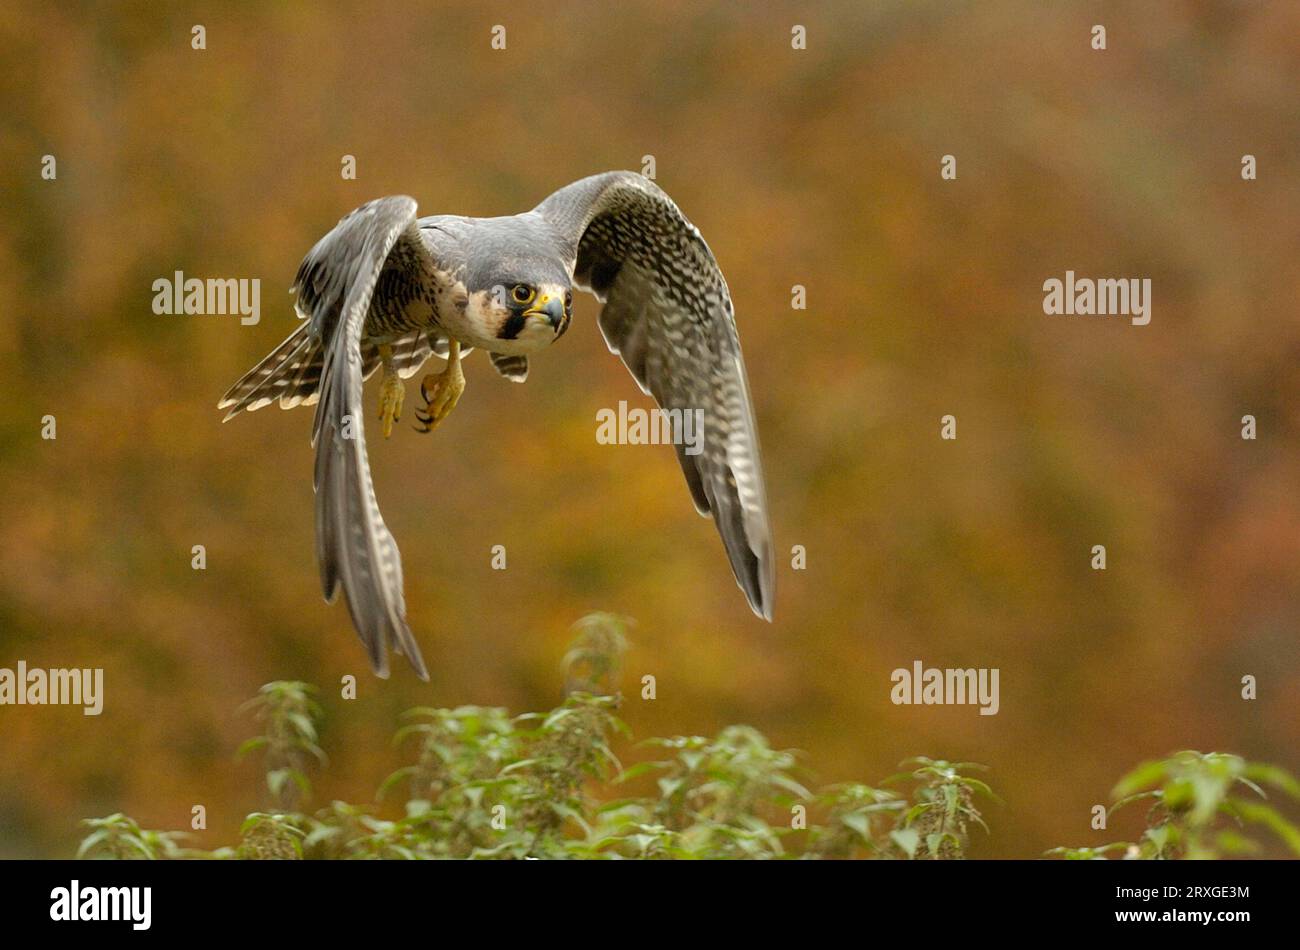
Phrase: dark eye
pixel 568 301
pixel 521 293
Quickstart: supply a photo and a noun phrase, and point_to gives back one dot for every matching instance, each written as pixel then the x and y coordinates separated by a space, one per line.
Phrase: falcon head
pixel 525 315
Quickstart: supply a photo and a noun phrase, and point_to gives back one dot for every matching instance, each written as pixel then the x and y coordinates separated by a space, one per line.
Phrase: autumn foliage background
pixel 816 167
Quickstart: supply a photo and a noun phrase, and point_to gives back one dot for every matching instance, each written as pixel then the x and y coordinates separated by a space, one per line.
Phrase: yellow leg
pixel 441 391
pixel 392 392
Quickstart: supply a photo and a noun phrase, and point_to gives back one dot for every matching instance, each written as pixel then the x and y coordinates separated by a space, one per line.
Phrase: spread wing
pixel 668 314
pixel 354 548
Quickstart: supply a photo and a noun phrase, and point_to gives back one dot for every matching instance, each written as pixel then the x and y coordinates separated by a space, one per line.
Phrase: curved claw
pixel 441 392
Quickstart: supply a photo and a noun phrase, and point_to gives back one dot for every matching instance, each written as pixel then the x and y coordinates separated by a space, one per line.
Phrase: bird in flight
pixel 385 290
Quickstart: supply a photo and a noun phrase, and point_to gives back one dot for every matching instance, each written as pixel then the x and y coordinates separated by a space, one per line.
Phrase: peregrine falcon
pixel 386 290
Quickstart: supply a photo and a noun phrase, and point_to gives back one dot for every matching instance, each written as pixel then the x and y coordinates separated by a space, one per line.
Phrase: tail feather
pixel 292 371
pixel 302 384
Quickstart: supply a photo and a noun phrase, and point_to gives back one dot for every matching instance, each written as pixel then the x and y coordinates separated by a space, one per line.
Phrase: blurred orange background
pixel 817 167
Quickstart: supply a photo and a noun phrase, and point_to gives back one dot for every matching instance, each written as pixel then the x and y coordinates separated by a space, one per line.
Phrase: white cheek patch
pixel 484 308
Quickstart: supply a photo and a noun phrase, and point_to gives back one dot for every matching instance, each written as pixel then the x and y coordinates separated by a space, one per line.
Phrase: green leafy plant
pixel 271 837
pixel 481 784
pixel 718 797
pixel 858 824
pixel 121 838
pixel 288 714
pixel 1202 806
pixel 943 808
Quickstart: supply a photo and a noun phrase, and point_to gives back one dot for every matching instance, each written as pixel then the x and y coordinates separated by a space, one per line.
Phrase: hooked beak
pixel 550 307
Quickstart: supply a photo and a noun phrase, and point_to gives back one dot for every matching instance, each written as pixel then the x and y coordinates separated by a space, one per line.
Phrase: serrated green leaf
pixel 908 839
